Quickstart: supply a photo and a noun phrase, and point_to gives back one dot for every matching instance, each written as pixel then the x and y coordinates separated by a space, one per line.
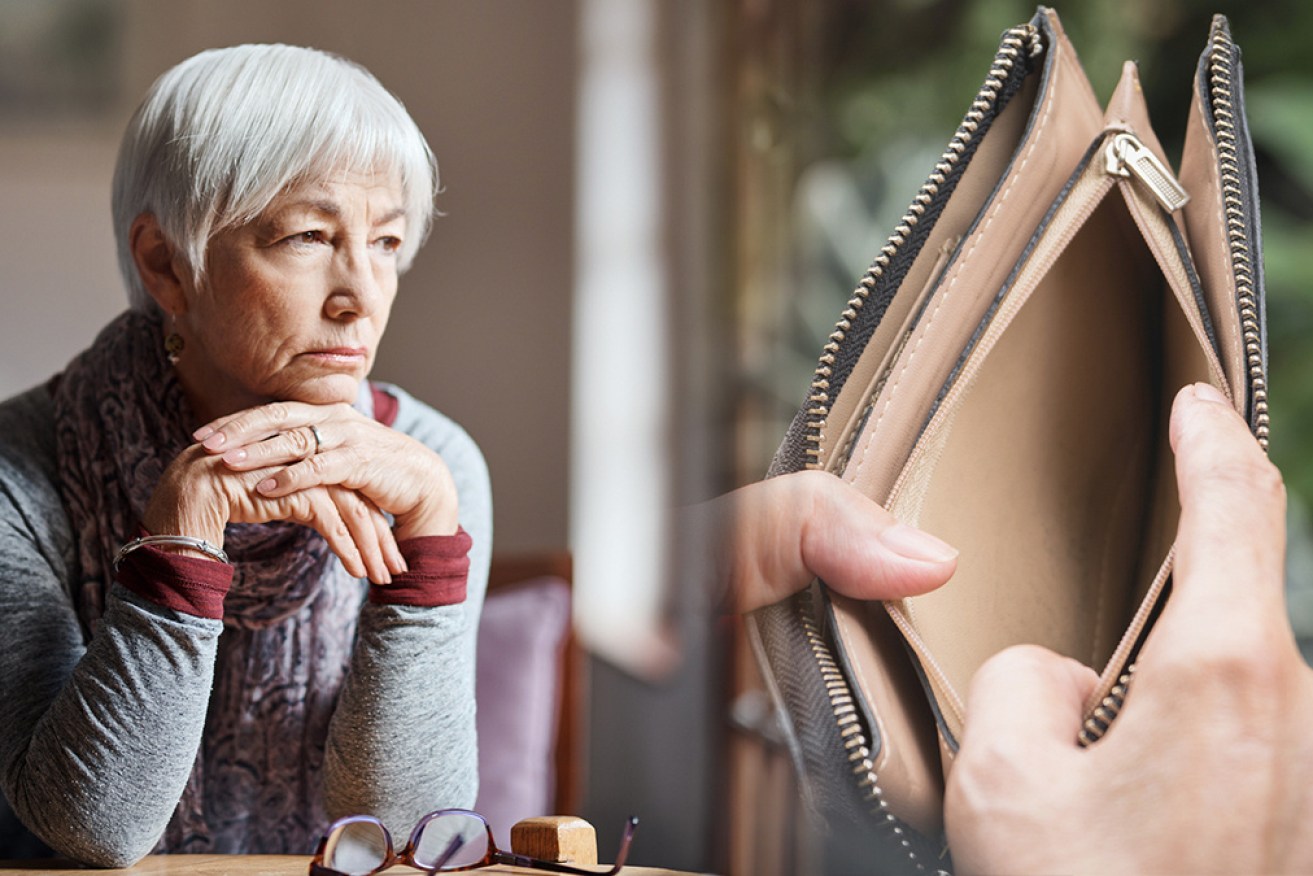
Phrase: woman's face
pixel 293 304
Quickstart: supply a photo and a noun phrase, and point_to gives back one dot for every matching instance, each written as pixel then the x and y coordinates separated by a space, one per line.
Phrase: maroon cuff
pixel 439 571
pixel 385 405
pixel 187 584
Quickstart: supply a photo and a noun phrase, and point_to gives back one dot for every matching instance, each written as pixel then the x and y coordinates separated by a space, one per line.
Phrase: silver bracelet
pixel 198 544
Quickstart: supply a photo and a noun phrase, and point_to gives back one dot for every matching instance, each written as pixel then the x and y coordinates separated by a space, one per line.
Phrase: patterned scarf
pixel 289 618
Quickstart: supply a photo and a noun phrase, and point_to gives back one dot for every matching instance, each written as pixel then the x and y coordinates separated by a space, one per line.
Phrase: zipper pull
pixel 1126 156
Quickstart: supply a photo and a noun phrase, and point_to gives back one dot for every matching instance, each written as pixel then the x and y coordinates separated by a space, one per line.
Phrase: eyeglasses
pixel 442 842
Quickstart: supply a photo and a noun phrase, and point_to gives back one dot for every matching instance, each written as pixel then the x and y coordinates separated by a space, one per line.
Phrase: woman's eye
pixel 305 238
pixel 389 244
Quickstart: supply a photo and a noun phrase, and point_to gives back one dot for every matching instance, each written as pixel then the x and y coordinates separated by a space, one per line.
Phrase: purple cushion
pixel 521 635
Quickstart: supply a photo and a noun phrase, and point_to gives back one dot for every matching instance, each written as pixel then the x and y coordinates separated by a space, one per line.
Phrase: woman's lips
pixel 345 357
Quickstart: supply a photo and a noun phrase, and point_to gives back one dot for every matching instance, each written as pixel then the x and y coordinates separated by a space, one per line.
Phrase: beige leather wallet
pixel 1002 378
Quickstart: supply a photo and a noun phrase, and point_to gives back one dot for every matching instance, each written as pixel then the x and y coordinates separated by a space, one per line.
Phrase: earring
pixel 174 344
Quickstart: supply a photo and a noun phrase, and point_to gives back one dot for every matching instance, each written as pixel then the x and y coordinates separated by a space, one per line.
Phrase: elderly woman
pixel 193 660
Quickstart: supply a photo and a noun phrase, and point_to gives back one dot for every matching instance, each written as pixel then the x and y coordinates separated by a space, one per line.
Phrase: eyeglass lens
pixel 356 848
pixel 449 841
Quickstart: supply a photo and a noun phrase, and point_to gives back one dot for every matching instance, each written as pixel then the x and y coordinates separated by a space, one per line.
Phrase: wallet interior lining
pixel 1071 501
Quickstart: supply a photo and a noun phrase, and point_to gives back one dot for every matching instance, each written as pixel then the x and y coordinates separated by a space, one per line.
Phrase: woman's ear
pixel 157 264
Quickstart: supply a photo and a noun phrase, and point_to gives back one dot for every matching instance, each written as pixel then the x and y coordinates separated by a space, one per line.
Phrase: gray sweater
pixel 98 738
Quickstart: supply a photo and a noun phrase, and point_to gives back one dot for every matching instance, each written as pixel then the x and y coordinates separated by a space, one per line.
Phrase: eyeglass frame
pixel 492 857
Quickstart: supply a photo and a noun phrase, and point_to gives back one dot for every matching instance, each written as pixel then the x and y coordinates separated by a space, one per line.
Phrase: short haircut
pixel 220 135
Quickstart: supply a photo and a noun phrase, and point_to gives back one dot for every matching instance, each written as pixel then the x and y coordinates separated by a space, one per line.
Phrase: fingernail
pixel 238 455
pixel 1209 393
pixel 267 485
pixel 202 433
pixel 914 544
pixel 214 442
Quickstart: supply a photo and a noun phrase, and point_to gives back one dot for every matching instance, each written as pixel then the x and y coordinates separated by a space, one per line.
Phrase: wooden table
pixel 551 838
pixel 256 865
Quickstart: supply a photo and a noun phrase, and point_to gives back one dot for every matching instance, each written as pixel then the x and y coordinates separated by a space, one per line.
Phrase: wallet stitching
pixel 1040 130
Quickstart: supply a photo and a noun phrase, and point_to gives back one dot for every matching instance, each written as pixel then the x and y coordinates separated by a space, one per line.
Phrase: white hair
pixel 220 135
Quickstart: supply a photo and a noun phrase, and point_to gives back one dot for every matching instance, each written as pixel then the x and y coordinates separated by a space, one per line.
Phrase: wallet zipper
pixel 1126 156
pixel 1223 97
pixel 856 746
pixel 1106 711
pixel 1024 37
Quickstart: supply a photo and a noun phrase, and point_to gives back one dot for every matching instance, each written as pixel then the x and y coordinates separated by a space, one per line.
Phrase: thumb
pixel 861 550
pixel 1014 767
pixel 1026 698
pixel 796 527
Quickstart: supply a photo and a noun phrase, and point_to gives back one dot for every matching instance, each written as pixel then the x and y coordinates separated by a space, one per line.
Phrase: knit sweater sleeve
pixel 402 740
pixel 97 738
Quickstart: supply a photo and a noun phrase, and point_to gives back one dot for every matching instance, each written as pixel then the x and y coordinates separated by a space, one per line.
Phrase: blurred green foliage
pixel 890 80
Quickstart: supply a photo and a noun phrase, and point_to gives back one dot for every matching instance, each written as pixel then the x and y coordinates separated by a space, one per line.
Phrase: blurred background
pixel 653 214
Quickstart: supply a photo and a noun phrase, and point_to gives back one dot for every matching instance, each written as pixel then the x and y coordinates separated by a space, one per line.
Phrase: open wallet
pixel 1002 378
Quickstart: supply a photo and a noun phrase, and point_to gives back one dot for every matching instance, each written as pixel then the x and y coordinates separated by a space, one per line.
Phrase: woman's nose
pixel 356 288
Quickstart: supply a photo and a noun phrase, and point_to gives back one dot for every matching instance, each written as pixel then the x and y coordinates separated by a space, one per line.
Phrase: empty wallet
pixel 1002 377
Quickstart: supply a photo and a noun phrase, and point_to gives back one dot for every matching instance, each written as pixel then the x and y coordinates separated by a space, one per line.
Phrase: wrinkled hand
pixel 393 471
pixel 1209 767
pixel 264 464
pixel 770 539
pixel 199 495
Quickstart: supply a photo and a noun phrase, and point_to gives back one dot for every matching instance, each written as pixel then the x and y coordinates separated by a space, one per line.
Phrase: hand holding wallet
pixel 1002 378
